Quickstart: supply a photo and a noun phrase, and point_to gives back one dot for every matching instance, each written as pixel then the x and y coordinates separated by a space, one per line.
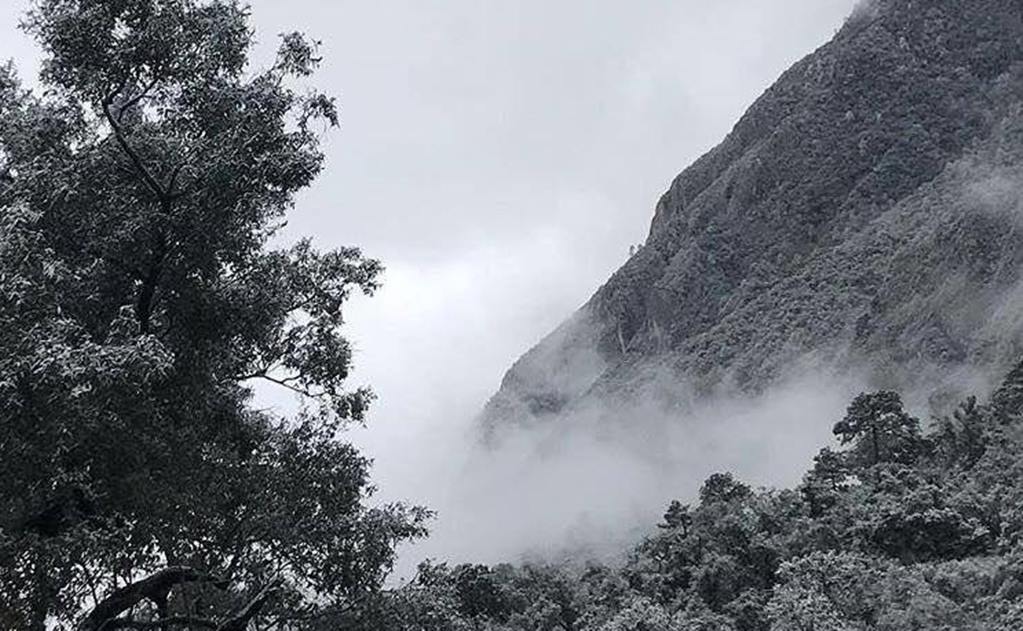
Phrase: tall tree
pixel 879 429
pixel 138 302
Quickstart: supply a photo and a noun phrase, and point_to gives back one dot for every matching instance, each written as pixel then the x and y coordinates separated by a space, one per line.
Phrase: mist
pixel 589 484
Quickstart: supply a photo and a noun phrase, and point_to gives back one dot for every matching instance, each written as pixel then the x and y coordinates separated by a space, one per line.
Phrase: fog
pixel 589 484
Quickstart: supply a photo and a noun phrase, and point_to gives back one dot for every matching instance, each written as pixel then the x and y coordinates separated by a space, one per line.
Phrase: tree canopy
pixel 140 187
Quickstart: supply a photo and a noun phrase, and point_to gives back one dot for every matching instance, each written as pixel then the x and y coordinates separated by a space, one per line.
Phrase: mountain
pixel 863 215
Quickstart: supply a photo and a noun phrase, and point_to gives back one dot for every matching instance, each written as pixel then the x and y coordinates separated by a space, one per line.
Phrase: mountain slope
pixel 864 212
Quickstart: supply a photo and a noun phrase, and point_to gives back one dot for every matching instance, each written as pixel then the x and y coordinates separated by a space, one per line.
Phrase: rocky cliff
pixel 864 214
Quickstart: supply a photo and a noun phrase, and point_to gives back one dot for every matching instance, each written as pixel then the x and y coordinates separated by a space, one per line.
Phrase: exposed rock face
pixel 867 210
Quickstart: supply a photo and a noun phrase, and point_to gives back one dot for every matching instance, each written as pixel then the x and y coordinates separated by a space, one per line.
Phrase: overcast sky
pixel 500 157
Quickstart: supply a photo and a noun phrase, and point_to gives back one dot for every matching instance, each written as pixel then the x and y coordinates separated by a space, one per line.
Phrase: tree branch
pixel 240 620
pixel 285 382
pixel 173 180
pixel 153 588
pixel 135 99
pixel 136 160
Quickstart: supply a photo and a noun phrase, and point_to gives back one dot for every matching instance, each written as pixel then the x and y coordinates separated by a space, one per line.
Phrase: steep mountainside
pixel 865 212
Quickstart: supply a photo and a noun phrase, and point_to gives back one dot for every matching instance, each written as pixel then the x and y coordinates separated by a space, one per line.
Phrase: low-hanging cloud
pixel 589 484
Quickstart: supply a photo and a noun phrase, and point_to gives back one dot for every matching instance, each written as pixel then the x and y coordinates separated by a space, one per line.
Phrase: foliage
pixel 139 302
pixel 879 429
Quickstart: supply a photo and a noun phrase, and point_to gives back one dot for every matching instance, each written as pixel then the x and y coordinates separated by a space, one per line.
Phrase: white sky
pixel 500 157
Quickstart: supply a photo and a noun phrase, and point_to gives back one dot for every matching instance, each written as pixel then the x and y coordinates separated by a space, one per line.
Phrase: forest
pixel 143 295
pixel 899 529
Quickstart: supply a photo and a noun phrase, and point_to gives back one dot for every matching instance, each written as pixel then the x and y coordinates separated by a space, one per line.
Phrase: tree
pixel 677 517
pixel 642 614
pixel 722 487
pixel 824 483
pixel 478 593
pixel 961 439
pixel 827 591
pixel 879 429
pixel 139 301
pixel 1008 398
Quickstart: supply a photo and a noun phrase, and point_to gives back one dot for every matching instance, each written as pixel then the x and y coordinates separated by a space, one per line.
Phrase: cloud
pixel 591 483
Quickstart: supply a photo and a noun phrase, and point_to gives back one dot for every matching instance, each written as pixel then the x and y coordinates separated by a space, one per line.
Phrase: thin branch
pixel 91 578
pixel 260 372
pixel 173 180
pixel 264 373
pixel 136 160
pixel 286 383
pixel 135 99
pixel 240 620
